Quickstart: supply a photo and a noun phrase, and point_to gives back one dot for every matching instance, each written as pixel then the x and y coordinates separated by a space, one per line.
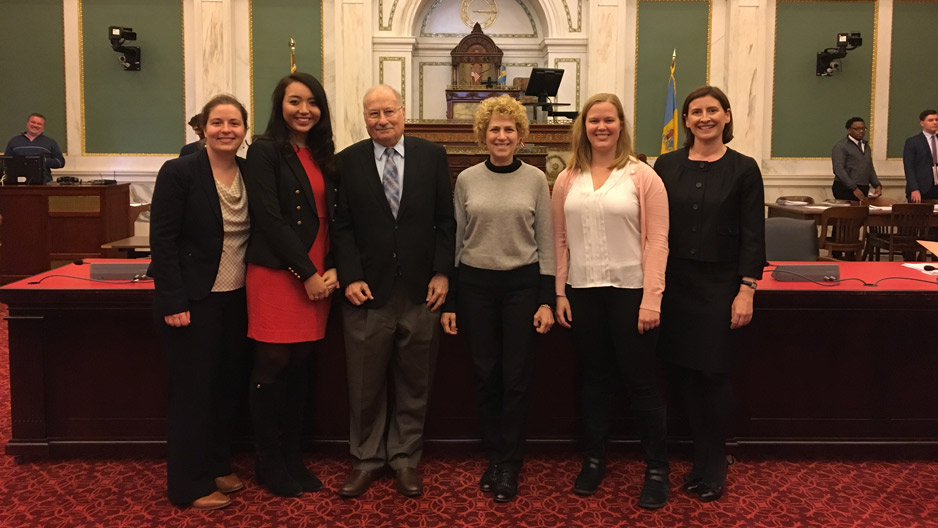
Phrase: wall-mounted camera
pixel 828 61
pixel 130 55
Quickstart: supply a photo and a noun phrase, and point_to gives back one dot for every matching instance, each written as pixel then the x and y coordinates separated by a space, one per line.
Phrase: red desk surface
pixel 869 272
pixel 75 277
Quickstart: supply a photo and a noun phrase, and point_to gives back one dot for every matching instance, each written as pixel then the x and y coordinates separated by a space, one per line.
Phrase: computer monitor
pixel 544 83
pixel 23 170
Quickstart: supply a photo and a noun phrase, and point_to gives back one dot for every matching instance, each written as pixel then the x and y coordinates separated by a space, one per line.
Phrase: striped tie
pixel 391 180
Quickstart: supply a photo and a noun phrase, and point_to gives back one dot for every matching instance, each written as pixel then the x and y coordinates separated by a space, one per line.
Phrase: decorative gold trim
pixel 579 16
pixel 533 34
pixel 403 61
pixel 251 65
pixel 637 26
pixel 577 61
pixel 775 61
pixel 420 86
pixel 381 25
pixel 65 81
pixel 81 89
pixel 81 72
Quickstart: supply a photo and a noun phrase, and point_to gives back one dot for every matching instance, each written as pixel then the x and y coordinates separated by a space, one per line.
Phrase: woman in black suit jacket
pixel 717 251
pixel 290 277
pixel 198 236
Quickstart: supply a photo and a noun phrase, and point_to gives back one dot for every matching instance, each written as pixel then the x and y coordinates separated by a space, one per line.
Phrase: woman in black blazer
pixel 290 276
pixel 199 228
pixel 717 251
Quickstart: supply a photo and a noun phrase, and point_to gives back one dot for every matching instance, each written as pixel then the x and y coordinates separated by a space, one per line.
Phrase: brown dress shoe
pixel 213 501
pixel 229 483
pixel 409 482
pixel 357 482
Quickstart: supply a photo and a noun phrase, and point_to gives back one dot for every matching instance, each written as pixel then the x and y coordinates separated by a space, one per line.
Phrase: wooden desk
pixel 844 365
pixel 878 217
pixel 134 246
pixel 46 226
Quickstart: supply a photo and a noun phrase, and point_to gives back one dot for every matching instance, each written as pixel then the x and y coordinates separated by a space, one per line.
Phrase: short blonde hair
pixel 505 105
pixel 581 156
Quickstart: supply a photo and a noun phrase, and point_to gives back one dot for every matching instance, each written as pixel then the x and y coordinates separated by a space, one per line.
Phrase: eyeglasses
pixel 388 113
pixel 858 128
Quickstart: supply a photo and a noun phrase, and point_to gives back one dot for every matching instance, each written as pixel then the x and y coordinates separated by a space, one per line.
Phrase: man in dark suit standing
pixel 920 160
pixel 394 241
pixel 853 165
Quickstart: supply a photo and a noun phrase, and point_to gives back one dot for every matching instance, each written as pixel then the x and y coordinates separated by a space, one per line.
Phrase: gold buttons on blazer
pixel 296 191
pixel 295 274
pixel 299 222
pixel 298 208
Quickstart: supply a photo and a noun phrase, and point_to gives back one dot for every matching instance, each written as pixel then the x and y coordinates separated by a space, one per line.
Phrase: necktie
pixel 391 180
pixel 860 146
pixel 934 149
pixel 934 158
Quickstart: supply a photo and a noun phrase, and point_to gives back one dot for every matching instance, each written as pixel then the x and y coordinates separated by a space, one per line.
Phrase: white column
pixel 349 74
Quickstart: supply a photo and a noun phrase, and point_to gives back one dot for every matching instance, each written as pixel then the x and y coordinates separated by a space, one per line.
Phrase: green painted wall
pixel 664 26
pixel 29 85
pixel 133 112
pixel 913 77
pixel 273 23
pixel 809 112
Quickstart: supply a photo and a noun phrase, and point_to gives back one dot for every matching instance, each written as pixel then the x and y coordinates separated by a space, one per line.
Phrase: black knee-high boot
pixel 266 409
pixel 297 381
pixel 652 428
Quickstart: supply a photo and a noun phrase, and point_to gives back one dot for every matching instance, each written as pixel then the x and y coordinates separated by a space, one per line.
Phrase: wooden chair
pixel 846 224
pixel 790 239
pixel 908 222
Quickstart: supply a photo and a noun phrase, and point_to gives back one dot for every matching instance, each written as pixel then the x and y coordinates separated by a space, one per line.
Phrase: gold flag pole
pixel 292 55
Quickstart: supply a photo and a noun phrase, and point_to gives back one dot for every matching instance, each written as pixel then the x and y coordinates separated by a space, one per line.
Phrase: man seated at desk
pixel 853 165
pixel 33 142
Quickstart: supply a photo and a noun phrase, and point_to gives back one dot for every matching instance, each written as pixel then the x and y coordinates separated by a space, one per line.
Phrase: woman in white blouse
pixel 610 216
pixel 199 228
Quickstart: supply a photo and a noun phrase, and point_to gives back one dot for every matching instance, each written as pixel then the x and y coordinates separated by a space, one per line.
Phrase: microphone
pixel 929 267
pixel 78 262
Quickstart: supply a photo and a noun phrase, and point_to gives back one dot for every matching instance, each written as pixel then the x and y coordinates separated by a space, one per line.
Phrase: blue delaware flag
pixel 669 132
pixel 503 76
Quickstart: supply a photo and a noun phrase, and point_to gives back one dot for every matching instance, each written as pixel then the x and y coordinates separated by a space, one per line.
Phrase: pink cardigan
pixel 654 217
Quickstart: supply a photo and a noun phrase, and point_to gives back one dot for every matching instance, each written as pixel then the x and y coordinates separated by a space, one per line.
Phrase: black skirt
pixel 695 315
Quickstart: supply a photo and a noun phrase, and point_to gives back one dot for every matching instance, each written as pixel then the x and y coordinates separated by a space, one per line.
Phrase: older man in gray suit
pixel 853 165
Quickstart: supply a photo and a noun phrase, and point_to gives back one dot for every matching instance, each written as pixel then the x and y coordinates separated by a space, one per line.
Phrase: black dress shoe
pixel 656 489
pixel 357 482
pixel 591 474
pixel 409 482
pixel 709 492
pixel 692 481
pixel 506 484
pixel 487 482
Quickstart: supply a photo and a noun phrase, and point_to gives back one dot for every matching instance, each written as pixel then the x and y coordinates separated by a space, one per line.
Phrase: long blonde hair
pixel 581 156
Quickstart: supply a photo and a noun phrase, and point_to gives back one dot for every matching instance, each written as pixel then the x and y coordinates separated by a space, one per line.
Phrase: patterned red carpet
pixel 763 491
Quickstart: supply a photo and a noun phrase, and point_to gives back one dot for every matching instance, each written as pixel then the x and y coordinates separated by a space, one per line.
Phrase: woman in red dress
pixel 290 276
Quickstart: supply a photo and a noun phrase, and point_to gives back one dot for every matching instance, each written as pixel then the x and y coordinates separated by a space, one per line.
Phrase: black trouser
pixel 496 314
pixel 609 348
pixel 841 192
pixel 708 400
pixel 209 364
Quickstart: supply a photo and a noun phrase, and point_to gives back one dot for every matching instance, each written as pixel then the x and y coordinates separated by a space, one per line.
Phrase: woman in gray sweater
pixel 504 294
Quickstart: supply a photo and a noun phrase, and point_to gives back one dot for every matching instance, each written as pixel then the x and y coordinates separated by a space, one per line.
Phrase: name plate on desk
pixel 118 270
pixel 806 272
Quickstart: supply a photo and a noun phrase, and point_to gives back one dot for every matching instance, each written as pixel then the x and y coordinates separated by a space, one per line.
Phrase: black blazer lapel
pixel 372 180
pixel 411 174
pixel 207 183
